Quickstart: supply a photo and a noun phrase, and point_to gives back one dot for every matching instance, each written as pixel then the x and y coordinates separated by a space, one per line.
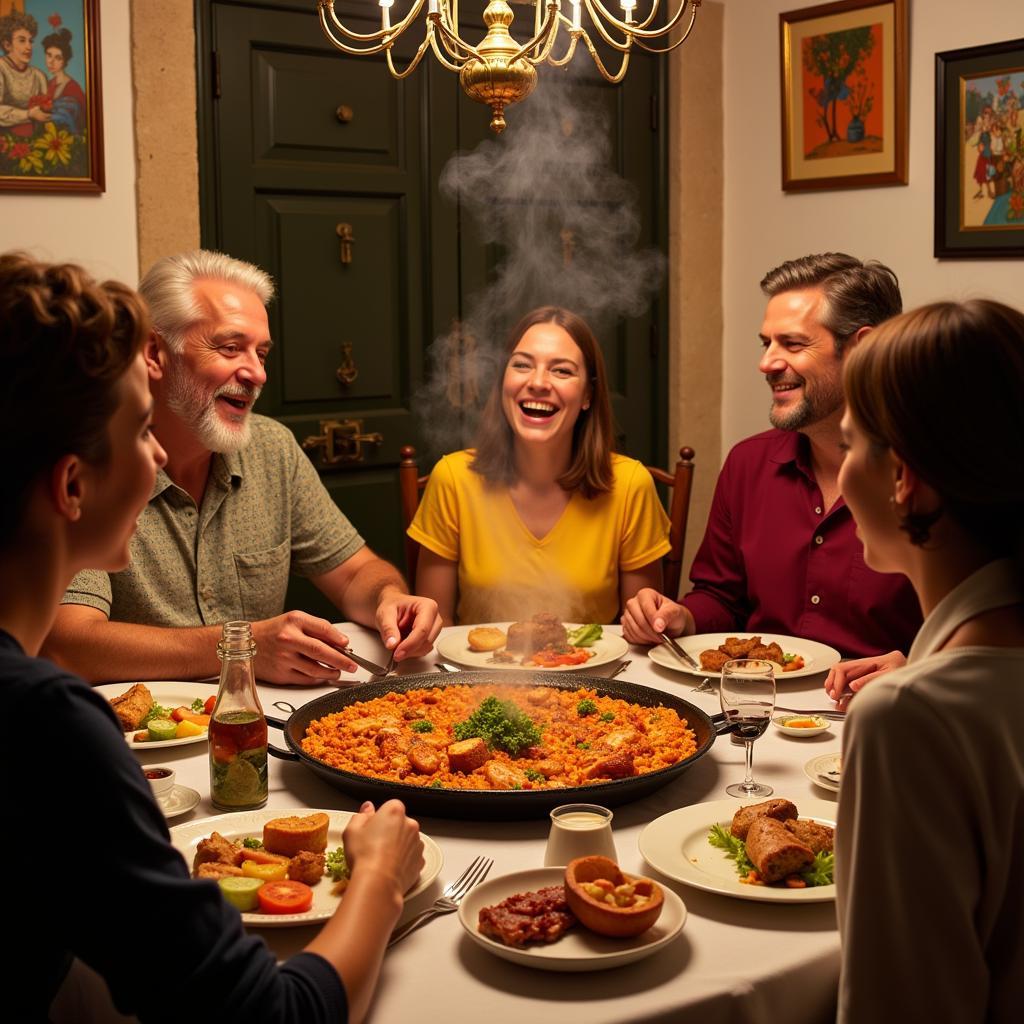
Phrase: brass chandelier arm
pixel 632 29
pixel 471 51
pixel 560 62
pixel 544 38
pixel 440 54
pixel 619 75
pixel 624 47
pixel 673 46
pixel 417 57
pixel 326 8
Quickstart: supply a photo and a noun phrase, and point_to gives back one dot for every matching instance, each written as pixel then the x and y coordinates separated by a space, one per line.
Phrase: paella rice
pixel 585 738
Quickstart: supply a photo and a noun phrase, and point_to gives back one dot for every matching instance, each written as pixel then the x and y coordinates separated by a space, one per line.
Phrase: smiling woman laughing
pixel 542 514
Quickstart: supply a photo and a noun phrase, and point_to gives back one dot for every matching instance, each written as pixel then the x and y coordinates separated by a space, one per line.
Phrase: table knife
pixel 678 651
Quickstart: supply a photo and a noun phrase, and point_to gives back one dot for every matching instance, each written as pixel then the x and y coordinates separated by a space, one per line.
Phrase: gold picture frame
pixel 844 95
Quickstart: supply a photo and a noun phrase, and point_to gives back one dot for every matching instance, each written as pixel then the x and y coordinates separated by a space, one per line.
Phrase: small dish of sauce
pixel 801 725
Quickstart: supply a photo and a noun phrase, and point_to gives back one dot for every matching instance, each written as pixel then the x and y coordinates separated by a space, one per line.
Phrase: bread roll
pixel 288 836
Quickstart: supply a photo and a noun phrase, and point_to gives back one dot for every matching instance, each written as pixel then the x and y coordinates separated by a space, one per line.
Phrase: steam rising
pixel 546 195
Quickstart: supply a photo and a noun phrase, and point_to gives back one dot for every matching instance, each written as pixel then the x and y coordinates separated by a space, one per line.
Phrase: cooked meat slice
pixel 501 776
pixel 467 755
pixel 424 758
pixel 373 725
pixel 287 836
pixel 548 767
pixel 132 706
pixel 216 850
pixel 620 738
pixel 391 742
pixel 541 916
pixel 712 661
pixel 820 838
pixel 543 629
pixel 616 766
pixel 775 851
pixel 215 870
pixel 782 810
pixel 306 867
pixel 739 647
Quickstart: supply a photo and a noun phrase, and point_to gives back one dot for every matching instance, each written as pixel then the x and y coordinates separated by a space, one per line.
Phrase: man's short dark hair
pixel 857 294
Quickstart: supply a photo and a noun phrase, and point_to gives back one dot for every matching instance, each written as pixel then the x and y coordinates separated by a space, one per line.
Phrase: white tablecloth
pixel 736 960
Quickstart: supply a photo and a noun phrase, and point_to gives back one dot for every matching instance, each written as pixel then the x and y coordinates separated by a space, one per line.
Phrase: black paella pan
pixel 494 804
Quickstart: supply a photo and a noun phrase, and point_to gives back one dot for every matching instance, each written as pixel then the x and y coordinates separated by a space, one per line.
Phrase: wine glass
pixel 747 694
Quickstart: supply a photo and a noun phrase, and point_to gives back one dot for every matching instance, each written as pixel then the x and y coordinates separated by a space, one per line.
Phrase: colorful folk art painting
pixel 842 83
pixel 991 123
pixel 46 118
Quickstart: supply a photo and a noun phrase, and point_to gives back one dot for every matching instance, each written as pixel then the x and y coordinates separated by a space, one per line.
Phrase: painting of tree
pixel 841 75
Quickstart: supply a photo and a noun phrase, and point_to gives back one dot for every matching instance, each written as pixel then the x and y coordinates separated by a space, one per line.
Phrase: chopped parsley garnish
pixel 608 716
pixel 422 726
pixel 252 843
pixel 535 776
pixel 198 704
pixel 583 746
pixel 499 723
pixel 336 865
pixel 586 707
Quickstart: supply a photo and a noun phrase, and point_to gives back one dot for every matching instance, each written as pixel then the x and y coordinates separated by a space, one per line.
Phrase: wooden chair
pixel 411 484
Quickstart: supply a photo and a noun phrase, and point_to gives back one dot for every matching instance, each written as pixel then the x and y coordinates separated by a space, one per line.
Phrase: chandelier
pixel 500 71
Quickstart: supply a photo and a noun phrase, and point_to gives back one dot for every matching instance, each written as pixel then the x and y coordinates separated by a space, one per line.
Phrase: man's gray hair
pixel 857 294
pixel 167 288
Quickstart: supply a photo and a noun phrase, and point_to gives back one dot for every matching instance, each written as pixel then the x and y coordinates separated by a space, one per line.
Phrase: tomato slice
pixel 211 703
pixel 285 898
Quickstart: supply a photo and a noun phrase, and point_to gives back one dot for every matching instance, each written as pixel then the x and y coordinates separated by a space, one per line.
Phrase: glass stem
pixel 748 782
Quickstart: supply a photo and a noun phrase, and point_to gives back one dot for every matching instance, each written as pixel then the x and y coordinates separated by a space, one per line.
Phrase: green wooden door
pixel 325 171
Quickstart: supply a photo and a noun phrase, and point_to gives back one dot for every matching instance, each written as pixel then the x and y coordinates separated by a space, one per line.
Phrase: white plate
pixel 578 949
pixel 454 647
pixel 250 823
pixel 780 723
pixel 180 800
pixel 170 695
pixel 817 657
pixel 823 763
pixel 677 845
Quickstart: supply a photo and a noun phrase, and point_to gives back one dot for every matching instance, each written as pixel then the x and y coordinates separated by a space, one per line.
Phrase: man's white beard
pixel 197 406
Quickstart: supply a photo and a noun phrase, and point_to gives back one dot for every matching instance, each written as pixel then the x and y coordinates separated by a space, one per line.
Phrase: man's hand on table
pixel 846 678
pixel 650 613
pixel 299 650
pixel 387 842
pixel 407 623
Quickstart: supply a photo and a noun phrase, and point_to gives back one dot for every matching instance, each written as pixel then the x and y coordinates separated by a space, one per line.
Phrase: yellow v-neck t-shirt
pixel 508 574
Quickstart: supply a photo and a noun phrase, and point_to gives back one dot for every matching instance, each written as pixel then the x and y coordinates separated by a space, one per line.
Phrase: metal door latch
pixel 341 441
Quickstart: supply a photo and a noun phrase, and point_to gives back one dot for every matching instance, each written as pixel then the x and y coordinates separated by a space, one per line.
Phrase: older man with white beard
pixel 237 508
pixel 780 554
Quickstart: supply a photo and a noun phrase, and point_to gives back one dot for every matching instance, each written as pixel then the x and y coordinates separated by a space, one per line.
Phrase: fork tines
pixel 473 875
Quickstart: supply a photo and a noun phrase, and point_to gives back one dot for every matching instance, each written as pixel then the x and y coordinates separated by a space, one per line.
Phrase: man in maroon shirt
pixel 781 554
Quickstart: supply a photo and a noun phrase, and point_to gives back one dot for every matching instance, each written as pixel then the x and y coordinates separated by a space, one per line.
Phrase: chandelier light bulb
pixel 575 15
pixel 386 3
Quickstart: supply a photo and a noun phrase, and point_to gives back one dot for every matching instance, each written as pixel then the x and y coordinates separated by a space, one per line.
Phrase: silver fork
pixel 449 900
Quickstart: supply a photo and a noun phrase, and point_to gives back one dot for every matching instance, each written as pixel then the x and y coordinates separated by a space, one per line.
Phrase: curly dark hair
pixel 65 343
pixel 10 23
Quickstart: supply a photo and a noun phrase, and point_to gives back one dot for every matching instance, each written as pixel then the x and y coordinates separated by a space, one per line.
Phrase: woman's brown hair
pixel 590 470
pixel 65 343
pixel 942 387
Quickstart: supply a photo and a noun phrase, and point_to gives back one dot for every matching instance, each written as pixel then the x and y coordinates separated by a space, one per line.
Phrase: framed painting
pixel 844 95
pixel 979 152
pixel 51 112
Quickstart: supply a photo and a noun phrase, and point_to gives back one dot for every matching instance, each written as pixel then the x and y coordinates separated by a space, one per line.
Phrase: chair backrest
pixel 411 485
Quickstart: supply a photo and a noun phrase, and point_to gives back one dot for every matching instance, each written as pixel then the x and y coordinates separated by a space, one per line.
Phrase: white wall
pixel 764 226
pixel 98 231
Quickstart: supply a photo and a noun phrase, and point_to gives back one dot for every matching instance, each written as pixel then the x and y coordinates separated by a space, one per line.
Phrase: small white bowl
pixel 781 722
pixel 161 778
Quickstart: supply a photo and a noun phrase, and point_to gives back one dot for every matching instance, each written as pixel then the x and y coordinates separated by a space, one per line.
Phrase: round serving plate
pixel 493 804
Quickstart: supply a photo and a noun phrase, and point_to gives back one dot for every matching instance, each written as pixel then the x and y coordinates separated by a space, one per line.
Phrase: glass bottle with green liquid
pixel 238 729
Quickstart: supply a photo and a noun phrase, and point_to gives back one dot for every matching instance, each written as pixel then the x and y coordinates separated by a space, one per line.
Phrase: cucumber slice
pixel 163 729
pixel 241 893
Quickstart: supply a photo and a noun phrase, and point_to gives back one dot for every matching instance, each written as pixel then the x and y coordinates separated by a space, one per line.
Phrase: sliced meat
pixel 775 851
pixel 616 766
pixel 132 706
pixel 820 838
pixel 782 810
pixel 502 776
pixel 542 630
pixel 541 916
pixel 424 758
pixel 467 755
pixel 712 661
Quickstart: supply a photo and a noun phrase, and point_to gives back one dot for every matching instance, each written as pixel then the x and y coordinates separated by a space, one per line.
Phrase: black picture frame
pixel 967 170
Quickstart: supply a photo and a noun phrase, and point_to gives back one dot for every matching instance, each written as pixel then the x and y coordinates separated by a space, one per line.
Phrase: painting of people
pixel 50 129
pixel 992 149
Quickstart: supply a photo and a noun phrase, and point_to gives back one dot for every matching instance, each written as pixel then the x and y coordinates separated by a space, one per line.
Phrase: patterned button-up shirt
pixel 264 515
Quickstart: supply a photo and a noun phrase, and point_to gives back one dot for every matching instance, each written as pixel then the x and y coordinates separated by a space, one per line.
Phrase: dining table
pixel 735 960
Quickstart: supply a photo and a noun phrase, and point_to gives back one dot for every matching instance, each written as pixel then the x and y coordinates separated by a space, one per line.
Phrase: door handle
pixel 347 371
pixel 348 238
pixel 341 442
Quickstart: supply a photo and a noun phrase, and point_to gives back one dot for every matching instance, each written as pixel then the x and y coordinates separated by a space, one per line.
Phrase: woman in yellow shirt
pixel 541 515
